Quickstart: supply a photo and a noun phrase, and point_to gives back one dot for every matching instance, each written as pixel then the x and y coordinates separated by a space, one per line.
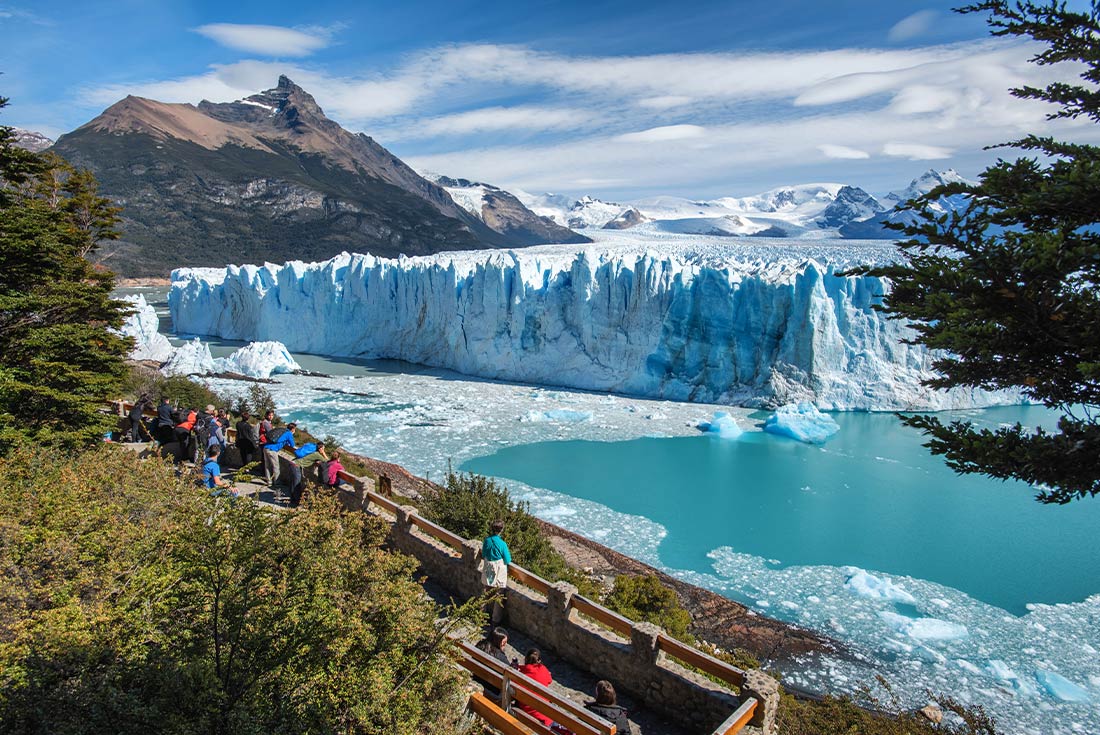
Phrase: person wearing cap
pixel 271 452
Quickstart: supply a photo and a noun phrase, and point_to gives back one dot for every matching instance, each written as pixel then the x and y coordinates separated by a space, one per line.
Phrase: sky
pixel 620 100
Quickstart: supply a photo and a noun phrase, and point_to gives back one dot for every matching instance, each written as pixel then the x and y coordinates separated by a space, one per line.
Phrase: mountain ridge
pixel 266 178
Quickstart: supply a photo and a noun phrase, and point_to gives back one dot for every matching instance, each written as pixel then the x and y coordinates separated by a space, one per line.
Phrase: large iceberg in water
pixel 190 358
pixel 259 360
pixel 732 323
pixel 801 421
pixel 144 326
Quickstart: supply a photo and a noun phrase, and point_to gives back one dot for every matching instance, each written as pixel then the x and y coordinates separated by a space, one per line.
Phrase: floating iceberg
pixel 190 358
pixel 563 415
pixel 143 325
pixel 259 360
pixel 924 629
pixel 734 322
pixel 801 421
pixel 1009 679
pixel 723 425
pixel 1061 688
pixel 868 585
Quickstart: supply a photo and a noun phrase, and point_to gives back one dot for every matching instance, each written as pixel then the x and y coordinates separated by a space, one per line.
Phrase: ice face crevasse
pixel 680 328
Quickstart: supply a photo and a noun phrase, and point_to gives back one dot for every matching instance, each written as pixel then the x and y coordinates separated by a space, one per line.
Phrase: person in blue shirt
pixel 212 472
pixel 271 452
pixel 495 558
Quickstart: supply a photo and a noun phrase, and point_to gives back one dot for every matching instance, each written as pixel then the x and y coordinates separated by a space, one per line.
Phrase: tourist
pixel 332 472
pixel 183 431
pixel 607 707
pixel 495 558
pixel 494 645
pixel 212 471
pixel 137 430
pixel 271 452
pixel 534 668
pixel 248 438
pixel 165 425
pixel 215 430
pixel 266 430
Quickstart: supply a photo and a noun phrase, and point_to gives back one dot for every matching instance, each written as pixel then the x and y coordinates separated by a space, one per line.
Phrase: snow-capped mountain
pixel 30 140
pixel 925 183
pixel 851 204
pixel 503 212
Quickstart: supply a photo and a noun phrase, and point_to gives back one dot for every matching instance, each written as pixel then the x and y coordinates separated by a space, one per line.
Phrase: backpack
pixel 305 450
pixel 263 432
pixel 323 464
pixel 202 431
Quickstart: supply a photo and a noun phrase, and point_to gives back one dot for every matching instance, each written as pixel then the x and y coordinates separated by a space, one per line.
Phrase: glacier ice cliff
pixel 143 325
pixel 724 324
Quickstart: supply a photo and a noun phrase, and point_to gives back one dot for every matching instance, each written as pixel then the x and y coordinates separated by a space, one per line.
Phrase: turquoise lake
pixel 871 497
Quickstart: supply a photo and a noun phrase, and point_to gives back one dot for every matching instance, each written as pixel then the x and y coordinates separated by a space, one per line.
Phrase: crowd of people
pixel 202 437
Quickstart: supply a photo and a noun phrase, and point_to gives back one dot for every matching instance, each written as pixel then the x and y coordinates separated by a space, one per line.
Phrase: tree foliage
pixel 133 602
pixel 645 598
pixel 58 358
pixel 1007 285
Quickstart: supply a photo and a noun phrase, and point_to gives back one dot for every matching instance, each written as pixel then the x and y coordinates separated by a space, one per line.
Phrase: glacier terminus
pixel 753 322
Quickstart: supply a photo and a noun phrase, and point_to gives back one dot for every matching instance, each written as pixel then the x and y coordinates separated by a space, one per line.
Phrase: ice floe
pixel 801 421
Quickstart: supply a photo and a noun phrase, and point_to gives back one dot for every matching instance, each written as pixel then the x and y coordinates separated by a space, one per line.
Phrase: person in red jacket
pixel 534 668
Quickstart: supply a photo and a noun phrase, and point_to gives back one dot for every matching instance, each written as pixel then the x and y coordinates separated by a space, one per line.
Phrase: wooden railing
pixel 505 679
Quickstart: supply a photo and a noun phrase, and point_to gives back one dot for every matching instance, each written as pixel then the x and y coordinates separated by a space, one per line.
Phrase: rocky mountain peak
pixel 30 140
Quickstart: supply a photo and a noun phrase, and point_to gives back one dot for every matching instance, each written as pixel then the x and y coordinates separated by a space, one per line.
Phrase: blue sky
pixel 616 99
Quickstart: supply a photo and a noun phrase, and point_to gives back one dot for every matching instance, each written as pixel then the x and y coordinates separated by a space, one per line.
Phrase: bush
pixel 645 599
pixel 181 390
pixel 134 602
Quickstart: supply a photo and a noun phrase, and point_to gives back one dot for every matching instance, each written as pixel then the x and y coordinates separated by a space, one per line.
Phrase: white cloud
pixel 913 25
pixel 665 102
pixel 916 151
pixel 842 151
pixel 715 115
pixel 527 118
pixel 267 40
pixel 662 134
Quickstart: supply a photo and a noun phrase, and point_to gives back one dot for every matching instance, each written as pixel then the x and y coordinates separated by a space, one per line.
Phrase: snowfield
pixel 755 322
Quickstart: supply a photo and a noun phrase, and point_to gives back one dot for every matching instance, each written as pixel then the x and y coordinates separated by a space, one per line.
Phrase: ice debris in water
pixel 190 358
pixel 924 629
pixel 1009 679
pixel 1061 688
pixel 801 421
pixel 866 584
pixel 259 360
pixel 144 325
pixel 723 425
pixel 563 415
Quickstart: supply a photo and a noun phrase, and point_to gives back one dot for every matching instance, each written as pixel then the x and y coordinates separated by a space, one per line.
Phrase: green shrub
pixel 644 598
pixel 135 602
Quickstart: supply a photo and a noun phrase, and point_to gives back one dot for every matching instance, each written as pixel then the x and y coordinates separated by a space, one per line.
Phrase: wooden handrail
pixel 382 502
pixel 702 661
pixel 438 532
pixel 497 718
pixel 619 624
pixel 740 717
pixel 528 579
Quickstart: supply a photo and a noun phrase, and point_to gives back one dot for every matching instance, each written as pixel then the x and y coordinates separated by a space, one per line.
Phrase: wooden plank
pixel 612 620
pixel 529 579
pixel 438 532
pixel 382 502
pixel 497 718
pixel 740 717
pixel 702 661
pixel 549 705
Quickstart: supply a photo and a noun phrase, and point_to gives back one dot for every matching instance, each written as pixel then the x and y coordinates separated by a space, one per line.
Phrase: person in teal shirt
pixel 495 558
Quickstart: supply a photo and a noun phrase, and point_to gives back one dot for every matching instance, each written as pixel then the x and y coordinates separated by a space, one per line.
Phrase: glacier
pixel 143 325
pixel 717 320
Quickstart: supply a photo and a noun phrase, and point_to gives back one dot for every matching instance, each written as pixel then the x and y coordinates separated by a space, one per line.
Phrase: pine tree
pixel 1008 285
pixel 58 358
